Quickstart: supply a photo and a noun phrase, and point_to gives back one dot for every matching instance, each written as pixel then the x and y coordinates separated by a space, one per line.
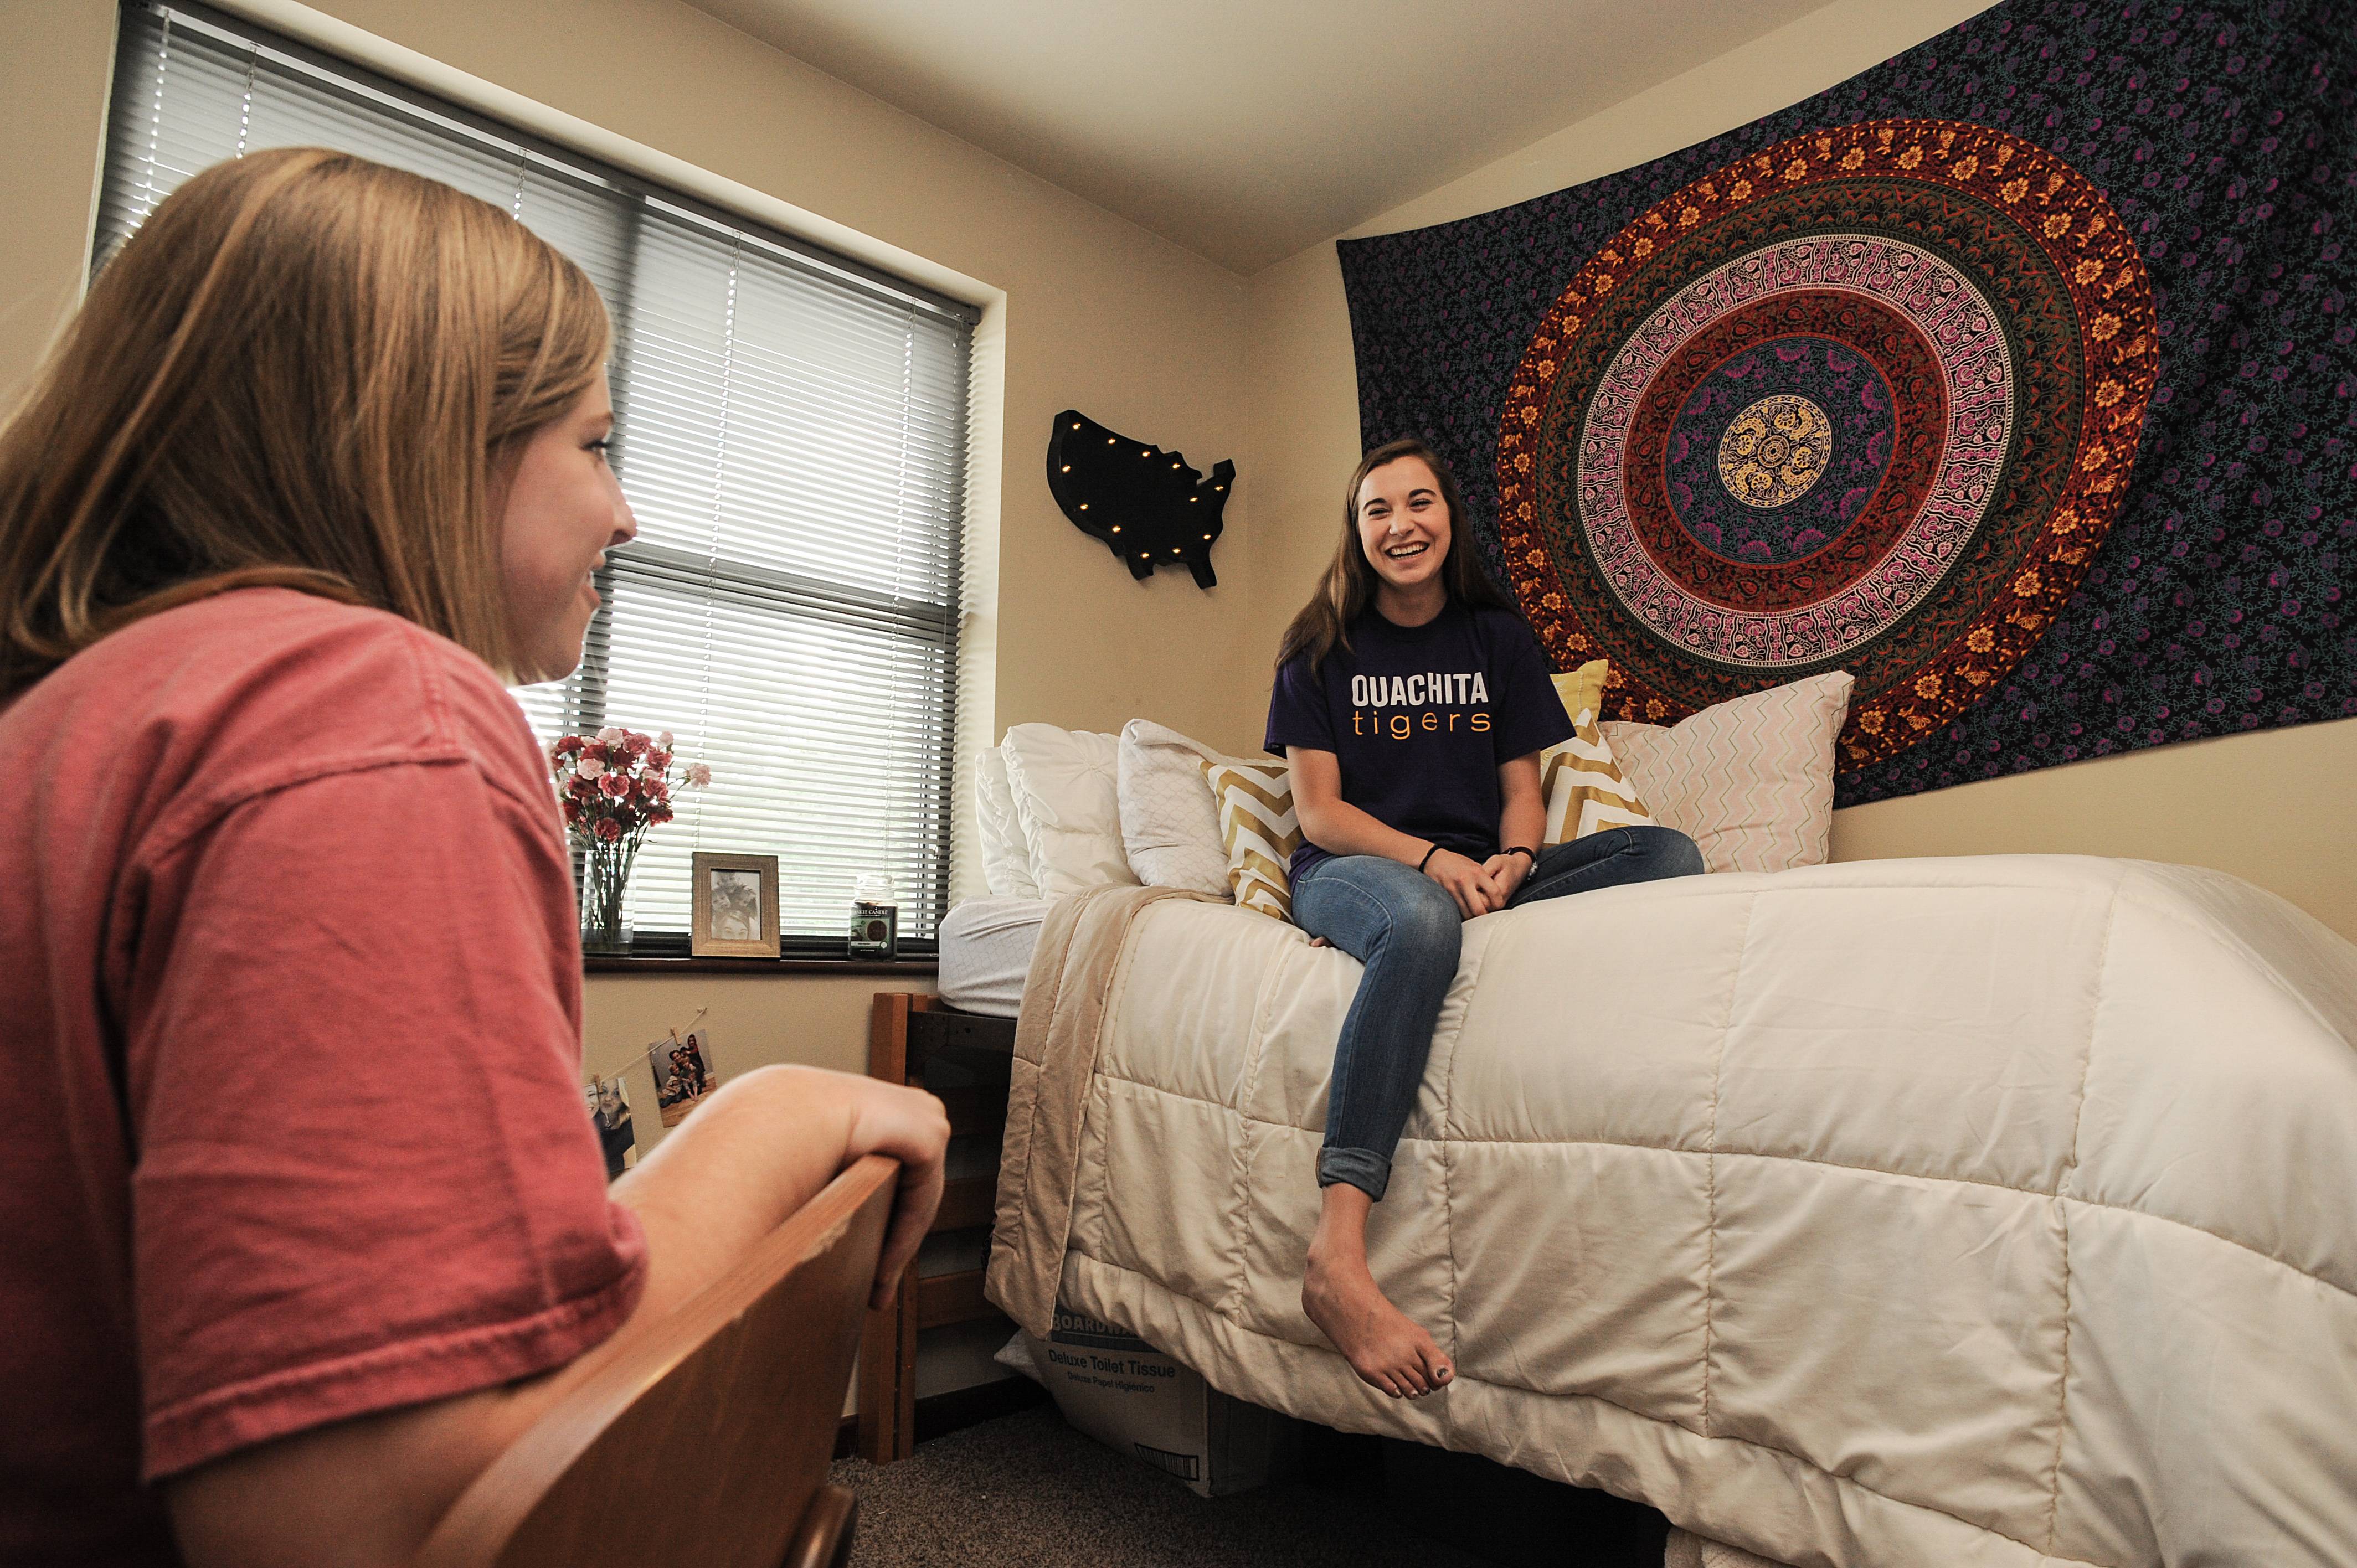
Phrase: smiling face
pixel 1403 526
pixel 563 511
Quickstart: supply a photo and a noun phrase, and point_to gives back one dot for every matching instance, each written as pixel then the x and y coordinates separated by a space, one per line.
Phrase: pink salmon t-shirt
pixel 291 1128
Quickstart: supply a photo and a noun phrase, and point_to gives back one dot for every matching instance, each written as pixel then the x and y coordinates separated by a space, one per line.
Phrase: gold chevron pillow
pixel 1585 789
pixel 1260 831
pixel 1583 687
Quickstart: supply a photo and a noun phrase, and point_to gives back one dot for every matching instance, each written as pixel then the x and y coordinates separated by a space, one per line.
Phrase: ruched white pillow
pixel 1006 858
pixel 1062 785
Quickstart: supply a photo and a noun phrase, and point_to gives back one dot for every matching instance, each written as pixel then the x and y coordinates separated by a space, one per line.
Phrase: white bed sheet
pixel 986 952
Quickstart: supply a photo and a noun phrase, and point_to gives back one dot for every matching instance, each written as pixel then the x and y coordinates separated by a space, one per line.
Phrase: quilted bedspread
pixel 1986 1211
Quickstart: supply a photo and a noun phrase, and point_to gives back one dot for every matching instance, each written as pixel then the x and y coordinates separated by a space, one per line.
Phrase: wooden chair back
pixel 709 1442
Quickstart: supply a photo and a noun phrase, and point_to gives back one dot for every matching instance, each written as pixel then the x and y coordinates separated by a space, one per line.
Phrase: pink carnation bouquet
pixel 613 786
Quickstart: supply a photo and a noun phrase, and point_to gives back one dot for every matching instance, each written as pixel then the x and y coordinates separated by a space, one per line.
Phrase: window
pixel 790 432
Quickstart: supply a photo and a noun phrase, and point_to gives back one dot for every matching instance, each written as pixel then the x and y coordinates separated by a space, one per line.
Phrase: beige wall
pixel 2272 808
pixel 816 1020
pixel 55 62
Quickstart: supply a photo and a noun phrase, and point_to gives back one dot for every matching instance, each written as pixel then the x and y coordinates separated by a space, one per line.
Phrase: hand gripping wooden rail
pixel 709 1442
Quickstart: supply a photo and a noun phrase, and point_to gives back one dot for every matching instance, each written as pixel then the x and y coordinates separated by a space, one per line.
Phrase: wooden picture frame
pixel 723 884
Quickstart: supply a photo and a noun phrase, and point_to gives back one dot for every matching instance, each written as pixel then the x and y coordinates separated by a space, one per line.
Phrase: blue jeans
pixel 1405 929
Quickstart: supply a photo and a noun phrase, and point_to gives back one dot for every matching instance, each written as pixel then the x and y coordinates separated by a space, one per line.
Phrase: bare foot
pixel 1384 1345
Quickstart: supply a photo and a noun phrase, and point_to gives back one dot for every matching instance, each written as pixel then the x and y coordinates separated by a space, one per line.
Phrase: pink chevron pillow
pixel 1750 782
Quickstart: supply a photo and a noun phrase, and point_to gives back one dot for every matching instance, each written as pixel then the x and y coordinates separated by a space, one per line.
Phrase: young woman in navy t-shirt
pixel 1413 703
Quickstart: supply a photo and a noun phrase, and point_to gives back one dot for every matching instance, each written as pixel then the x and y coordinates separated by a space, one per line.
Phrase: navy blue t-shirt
pixel 1421 718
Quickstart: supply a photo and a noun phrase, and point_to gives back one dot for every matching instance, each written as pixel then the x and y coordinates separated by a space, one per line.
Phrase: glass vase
pixel 605 879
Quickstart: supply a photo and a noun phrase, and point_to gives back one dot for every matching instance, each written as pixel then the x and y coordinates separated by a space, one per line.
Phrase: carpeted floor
pixel 1026 1489
pixel 1029 1490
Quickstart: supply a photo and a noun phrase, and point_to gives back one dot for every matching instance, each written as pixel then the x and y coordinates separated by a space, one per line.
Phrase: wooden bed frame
pixel 962 1058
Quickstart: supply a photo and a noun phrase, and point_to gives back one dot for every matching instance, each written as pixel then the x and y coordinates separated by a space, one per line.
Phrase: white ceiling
pixel 1246 130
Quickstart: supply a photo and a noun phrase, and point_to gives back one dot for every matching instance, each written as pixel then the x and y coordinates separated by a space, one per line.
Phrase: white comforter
pixel 1989 1211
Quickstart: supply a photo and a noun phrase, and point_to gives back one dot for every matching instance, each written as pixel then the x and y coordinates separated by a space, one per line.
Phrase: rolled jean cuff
pixel 1362 1168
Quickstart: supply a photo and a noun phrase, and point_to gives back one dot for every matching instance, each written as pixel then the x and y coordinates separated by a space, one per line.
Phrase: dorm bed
pixel 1987 1211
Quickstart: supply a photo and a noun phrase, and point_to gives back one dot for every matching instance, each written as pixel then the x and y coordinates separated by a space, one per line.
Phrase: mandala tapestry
pixel 2014 376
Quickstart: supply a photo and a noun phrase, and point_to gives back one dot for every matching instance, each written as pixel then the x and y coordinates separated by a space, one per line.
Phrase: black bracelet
pixel 1427 856
pixel 1518 849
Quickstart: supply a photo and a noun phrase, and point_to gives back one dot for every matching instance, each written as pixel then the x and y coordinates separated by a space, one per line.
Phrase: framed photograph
pixel 736 906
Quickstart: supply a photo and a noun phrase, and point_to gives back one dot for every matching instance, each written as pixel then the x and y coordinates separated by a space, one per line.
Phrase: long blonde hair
pixel 304 369
pixel 1349 583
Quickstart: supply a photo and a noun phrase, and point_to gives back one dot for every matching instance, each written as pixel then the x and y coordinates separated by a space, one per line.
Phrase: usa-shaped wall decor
pixel 1147 506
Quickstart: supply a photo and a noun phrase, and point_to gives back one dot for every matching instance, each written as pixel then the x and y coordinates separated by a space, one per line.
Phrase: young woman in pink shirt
pixel 304 1222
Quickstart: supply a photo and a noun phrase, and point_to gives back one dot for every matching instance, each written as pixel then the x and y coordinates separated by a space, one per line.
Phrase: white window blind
pixel 791 434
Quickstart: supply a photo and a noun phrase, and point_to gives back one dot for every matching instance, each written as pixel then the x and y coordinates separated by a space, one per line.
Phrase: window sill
pixel 649 965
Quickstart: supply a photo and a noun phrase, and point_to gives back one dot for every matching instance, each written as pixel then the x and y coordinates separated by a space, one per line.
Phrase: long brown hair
pixel 1350 583
pixel 304 369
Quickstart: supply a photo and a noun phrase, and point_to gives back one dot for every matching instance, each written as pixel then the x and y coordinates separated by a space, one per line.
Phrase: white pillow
pixel 1169 824
pixel 1751 780
pixel 1006 859
pixel 1063 783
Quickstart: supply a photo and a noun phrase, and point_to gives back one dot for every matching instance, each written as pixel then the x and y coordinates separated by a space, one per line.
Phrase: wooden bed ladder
pixel 906 1032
